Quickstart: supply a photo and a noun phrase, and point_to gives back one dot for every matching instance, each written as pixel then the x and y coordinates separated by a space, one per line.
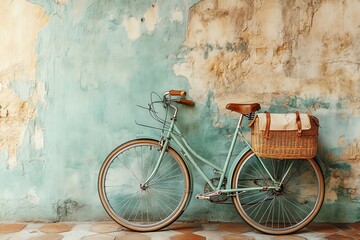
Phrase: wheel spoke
pixel 278 208
pixel 137 206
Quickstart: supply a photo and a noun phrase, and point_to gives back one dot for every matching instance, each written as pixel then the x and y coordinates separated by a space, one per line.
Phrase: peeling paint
pixel 333 185
pixel 288 56
pixel 351 156
pixel 18 58
pixel 17 62
pixel 352 151
pixel 18 113
pixel 301 59
pixel 176 16
pixel 38 138
pixel 347 180
pixel 150 18
pixel 72 72
pixel 133 24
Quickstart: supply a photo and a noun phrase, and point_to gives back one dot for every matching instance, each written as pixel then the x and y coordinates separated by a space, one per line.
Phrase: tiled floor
pixel 177 231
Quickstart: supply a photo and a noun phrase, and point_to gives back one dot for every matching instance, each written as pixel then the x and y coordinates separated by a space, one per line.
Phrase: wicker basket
pixel 285 144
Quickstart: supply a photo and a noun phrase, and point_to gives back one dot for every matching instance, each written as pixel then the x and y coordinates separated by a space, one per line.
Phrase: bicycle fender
pixel 233 166
pixel 322 165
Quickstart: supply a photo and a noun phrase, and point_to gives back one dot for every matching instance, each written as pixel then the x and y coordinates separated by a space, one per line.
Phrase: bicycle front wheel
pixel 128 201
pixel 282 206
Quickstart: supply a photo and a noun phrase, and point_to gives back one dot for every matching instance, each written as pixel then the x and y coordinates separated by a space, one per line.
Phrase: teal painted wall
pixel 92 62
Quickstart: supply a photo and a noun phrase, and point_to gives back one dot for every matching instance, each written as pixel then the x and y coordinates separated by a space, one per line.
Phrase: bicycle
pixel 145 184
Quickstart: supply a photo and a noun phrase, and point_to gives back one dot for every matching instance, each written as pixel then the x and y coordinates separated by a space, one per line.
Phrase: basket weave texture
pixel 285 144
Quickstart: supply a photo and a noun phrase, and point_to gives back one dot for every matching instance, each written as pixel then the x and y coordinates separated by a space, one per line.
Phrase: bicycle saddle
pixel 243 108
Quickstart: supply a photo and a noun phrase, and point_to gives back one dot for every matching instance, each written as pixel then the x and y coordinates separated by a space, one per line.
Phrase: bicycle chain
pixel 217 199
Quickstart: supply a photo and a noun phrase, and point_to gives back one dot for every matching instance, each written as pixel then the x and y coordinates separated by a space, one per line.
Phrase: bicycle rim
pixel 136 207
pixel 283 210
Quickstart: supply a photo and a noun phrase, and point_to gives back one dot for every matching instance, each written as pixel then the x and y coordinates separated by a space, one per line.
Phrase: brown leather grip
pixel 186 102
pixel 298 122
pixel 177 93
pixel 267 128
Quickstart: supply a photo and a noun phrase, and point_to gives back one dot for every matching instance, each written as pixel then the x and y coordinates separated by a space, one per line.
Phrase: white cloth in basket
pixel 284 122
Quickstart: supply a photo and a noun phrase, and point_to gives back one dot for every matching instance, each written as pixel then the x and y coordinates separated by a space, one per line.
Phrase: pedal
pixel 208 195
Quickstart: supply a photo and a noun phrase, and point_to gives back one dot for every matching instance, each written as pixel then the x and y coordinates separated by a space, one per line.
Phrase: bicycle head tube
pixel 167 103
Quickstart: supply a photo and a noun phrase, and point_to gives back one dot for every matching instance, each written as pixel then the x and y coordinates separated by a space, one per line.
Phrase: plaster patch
pixel 352 156
pixel 334 184
pixel 310 58
pixel 132 27
pixel 18 40
pixel 32 197
pixel 176 16
pixel 198 91
pixel 3 112
pixel 37 138
pixel 150 17
pixel 12 159
pixel 352 151
pixel 39 94
pixel 14 124
pixel 345 171
pixel 351 182
pixel 18 62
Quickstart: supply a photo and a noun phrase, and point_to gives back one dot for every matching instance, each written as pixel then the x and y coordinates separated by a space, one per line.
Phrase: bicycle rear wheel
pixel 137 207
pixel 287 208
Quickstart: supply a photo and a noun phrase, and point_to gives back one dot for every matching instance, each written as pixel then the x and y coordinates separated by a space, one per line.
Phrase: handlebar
pixel 181 100
pixel 177 93
pixel 186 102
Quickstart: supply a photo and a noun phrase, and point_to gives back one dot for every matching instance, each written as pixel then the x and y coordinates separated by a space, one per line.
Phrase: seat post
pixel 240 121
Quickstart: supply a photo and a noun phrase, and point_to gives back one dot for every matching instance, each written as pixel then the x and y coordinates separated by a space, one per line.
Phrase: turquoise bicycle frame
pixel 189 154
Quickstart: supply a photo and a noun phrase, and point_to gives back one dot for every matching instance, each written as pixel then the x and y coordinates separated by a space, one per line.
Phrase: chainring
pixel 216 199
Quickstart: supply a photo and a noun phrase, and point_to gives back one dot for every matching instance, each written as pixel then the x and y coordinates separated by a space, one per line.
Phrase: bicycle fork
pixel 162 149
pixel 164 143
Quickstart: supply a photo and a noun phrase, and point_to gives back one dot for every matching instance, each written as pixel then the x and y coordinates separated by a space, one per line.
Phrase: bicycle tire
pixel 133 207
pixel 278 211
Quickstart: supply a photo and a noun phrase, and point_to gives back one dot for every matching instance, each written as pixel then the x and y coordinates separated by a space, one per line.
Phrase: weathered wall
pixel 72 73
pixel 287 55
